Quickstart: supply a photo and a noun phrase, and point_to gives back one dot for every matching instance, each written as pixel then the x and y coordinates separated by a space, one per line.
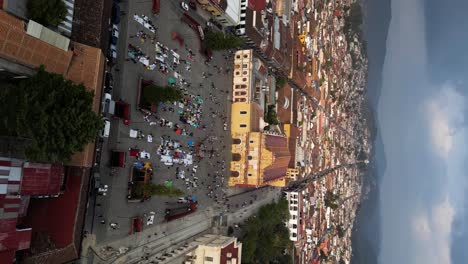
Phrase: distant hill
pixel 366 232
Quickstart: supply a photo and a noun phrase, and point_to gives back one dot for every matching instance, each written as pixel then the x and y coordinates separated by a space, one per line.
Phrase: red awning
pixel 137 224
pixel 122 110
pixel 257 5
pixel 118 159
pixel 156 6
pixel 134 152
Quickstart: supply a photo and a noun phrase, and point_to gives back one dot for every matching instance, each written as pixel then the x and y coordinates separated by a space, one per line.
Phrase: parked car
pixel 106 130
pixel 115 13
pixel 108 83
pixel 184 6
pixel 150 219
pixel 115 34
pixel 182 200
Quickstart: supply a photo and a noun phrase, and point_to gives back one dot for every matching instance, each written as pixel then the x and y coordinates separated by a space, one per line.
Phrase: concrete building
pixel 269 34
pixel 258 157
pixel 59 219
pixel 208 249
pixel 19 182
pixel 215 249
pixel 294 197
pixel 302 209
pixel 228 13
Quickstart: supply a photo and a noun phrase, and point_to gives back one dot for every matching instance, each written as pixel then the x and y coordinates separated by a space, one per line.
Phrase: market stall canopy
pixel 122 110
pixel 134 152
pixel 118 159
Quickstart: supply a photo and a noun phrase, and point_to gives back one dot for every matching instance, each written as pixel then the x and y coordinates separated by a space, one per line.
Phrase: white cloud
pixel 432 233
pixel 445 114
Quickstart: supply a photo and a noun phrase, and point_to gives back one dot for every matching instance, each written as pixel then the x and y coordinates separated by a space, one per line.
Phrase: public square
pixel 209 84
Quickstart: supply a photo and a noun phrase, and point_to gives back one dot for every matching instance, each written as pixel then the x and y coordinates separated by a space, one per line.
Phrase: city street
pixel 213 84
pixel 158 239
pixel 114 208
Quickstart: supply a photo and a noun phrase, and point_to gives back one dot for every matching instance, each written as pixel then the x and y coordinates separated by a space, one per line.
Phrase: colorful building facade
pixel 258 157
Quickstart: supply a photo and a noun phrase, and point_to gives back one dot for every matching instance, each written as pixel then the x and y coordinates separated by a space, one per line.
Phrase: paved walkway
pixel 157 239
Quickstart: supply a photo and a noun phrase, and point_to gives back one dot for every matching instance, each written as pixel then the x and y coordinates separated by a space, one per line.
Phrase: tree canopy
pixel 272 117
pixel 160 94
pixel 221 41
pixel 52 113
pixel 150 189
pixel 265 237
pixel 280 82
pixel 47 12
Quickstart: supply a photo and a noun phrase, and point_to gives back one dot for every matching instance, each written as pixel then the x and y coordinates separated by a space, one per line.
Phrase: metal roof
pixel 41 179
pixel 53 38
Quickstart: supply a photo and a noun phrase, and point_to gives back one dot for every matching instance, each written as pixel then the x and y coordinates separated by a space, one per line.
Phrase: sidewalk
pixel 154 237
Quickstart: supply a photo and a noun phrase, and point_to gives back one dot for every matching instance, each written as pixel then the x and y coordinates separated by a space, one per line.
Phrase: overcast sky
pixel 422 114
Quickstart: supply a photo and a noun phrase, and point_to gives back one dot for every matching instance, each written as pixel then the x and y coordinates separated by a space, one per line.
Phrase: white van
pixel 106 130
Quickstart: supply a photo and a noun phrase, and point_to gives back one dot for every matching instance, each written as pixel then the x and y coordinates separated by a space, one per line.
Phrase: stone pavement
pixel 156 240
pixel 114 206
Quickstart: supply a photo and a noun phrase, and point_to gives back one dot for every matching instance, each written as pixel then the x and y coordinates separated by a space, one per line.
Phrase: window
pixel 238 57
pixel 244 66
pixel 294 226
pixel 243 86
pixel 209 259
pixel 243 125
pixel 250 174
pixel 246 56
pixel 244 79
pixel 237 73
pixel 236 157
pixel 244 72
pixel 249 157
pixel 294 234
pixel 243 112
pixel 251 141
pixel 237 86
pixel 293 217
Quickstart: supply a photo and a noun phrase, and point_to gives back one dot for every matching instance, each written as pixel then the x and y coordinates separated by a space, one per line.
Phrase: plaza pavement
pixel 114 206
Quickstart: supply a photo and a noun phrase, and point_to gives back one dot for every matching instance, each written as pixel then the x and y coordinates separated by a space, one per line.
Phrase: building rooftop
pixel 91 23
pixel 84 65
pixel 26 50
pixel 41 179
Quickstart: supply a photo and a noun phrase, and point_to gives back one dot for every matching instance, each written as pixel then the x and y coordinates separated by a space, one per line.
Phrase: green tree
pixel 272 117
pixel 160 94
pixel 280 82
pixel 265 237
pixel 52 113
pixel 221 41
pixel 47 12
pixel 150 189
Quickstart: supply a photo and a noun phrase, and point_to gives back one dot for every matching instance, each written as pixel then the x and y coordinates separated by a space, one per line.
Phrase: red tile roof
pixel 281 156
pixel 26 50
pixel 41 179
pixel 61 219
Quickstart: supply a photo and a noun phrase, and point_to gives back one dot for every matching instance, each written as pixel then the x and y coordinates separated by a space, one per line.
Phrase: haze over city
pixel 422 124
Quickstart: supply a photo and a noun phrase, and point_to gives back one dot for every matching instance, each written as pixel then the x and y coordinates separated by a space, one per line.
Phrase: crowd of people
pixel 194 117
